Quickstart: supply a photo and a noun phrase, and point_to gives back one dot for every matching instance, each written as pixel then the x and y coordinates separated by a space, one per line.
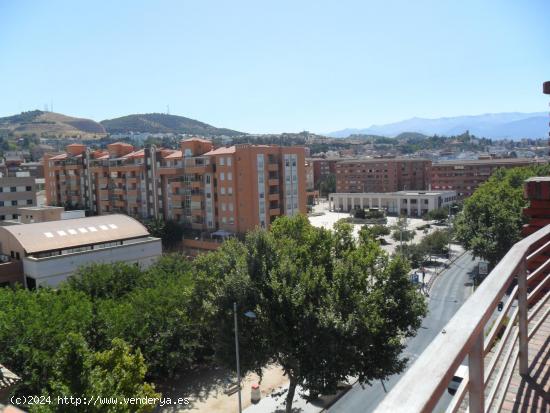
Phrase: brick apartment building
pixel 382 175
pixel 232 188
pixel 466 175
pixel 322 168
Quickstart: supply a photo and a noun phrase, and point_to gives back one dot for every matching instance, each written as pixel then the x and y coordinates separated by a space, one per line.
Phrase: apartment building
pixel 232 189
pixel 464 176
pixel 15 192
pixel 322 168
pixel 382 175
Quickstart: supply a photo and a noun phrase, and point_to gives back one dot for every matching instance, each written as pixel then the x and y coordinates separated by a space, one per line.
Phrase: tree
pixel 115 373
pixel 34 325
pixel 157 317
pixel 327 185
pixel 491 220
pixel 170 232
pixel 437 242
pixel 439 214
pixel 326 309
pixel 374 232
pixel 105 280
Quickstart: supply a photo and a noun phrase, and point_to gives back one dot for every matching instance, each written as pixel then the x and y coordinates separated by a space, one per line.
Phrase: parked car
pixel 457 379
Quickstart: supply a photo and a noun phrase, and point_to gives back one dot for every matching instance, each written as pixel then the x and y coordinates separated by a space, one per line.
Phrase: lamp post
pixel 450 227
pixel 249 314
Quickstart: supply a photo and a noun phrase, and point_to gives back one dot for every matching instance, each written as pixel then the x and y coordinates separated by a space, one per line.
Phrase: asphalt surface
pixel 447 295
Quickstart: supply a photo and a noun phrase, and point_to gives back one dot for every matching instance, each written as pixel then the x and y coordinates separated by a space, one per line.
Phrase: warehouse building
pixel 47 253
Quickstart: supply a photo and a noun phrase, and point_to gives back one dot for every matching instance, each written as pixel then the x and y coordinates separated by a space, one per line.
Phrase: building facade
pixel 16 192
pixel 466 175
pixel 382 175
pixel 233 189
pixel 322 169
pixel 409 203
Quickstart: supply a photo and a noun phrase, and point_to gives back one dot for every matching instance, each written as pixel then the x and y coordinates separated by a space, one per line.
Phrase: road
pixel 448 293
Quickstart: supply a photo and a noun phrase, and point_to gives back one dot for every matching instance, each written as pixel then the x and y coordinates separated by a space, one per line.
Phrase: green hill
pixel 51 124
pixel 163 123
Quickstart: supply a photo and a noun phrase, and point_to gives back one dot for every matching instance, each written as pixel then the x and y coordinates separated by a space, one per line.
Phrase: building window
pixel 1 203
pixel 230 190
pixel 229 161
pixel 229 176
pixel 29 201
pixel 13 189
pixel 14 203
pixel 222 190
pixel 222 161
pixel 28 188
pixel 222 176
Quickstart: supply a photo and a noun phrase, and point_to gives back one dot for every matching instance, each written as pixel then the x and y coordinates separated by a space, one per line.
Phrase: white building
pixel 46 253
pixel 410 203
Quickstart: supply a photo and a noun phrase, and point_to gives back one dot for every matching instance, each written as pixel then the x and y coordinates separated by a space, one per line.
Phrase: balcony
pixel 506 373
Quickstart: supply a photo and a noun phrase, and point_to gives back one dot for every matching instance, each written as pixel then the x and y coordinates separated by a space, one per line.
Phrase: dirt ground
pixel 205 390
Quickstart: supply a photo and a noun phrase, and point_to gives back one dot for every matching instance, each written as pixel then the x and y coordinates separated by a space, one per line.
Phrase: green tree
pixel 170 231
pixel 439 214
pixel 326 309
pixel 158 320
pixel 491 219
pixel 114 373
pixel 374 232
pixel 105 280
pixel 327 185
pixel 437 242
pixel 34 325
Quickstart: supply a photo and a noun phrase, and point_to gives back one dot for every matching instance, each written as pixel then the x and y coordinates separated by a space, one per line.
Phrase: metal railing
pixel 420 389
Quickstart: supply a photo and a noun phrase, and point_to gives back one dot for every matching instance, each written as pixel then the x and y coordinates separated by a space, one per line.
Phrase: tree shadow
pixel 196 385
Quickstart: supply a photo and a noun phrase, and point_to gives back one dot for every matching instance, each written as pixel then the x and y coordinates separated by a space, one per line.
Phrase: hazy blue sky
pixel 273 66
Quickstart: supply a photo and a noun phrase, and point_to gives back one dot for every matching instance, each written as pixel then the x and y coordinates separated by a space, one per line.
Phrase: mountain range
pixel 164 123
pixel 51 124
pixel 512 125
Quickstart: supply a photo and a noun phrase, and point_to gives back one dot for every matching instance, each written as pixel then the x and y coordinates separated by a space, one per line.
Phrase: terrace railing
pixel 420 389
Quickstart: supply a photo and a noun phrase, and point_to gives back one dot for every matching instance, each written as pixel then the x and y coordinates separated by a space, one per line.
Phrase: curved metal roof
pixel 72 233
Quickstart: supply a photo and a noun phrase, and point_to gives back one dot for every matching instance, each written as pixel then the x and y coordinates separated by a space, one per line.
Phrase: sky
pixel 275 66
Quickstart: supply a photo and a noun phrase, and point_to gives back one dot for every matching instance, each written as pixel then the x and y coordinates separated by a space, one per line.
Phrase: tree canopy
pixel 491 220
pixel 326 307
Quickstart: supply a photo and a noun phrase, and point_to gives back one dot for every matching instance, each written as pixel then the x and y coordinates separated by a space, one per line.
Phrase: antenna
pixel 167 109
pixel 51 105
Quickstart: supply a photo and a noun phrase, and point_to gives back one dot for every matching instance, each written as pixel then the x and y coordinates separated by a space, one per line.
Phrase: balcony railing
pixel 420 389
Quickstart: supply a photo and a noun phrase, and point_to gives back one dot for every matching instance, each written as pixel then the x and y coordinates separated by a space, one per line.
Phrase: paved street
pixel 448 294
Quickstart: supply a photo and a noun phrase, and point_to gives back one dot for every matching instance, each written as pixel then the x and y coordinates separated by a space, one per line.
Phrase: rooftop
pixel 484 161
pixel 71 233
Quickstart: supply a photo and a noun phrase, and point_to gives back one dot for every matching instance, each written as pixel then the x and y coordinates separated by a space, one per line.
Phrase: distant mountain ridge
pixel 163 123
pixel 512 125
pixel 44 124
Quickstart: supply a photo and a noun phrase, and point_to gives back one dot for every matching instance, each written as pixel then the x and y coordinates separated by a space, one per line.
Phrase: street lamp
pixel 249 314
pixel 451 207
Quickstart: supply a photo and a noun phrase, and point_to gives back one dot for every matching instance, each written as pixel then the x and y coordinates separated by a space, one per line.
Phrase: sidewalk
pixel 275 402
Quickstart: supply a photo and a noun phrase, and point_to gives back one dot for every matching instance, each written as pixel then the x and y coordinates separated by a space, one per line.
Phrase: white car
pixel 457 379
